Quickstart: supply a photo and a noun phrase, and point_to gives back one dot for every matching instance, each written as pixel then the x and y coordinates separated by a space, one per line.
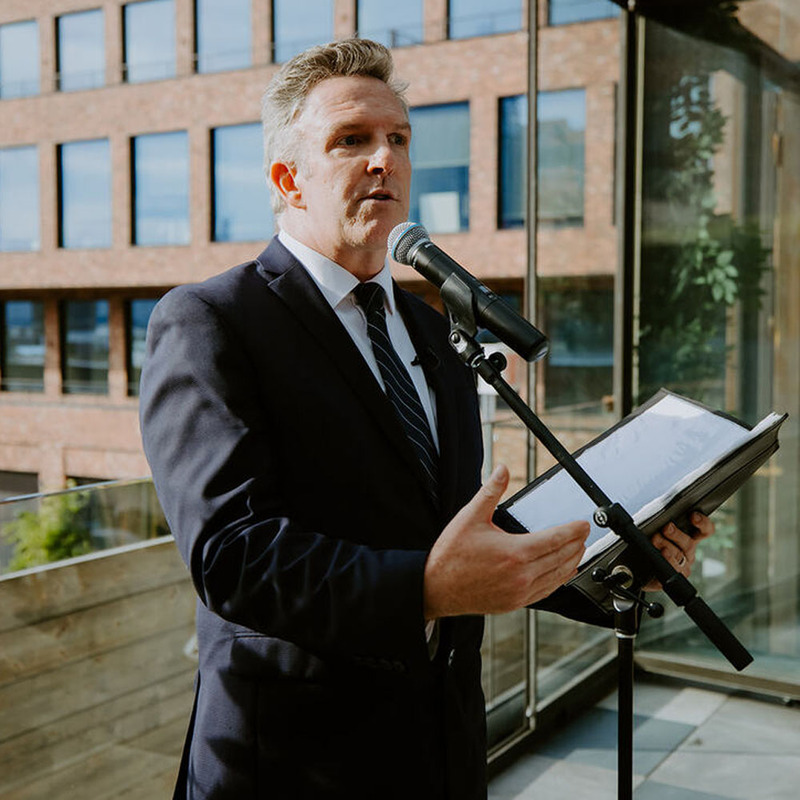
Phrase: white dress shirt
pixel 336 285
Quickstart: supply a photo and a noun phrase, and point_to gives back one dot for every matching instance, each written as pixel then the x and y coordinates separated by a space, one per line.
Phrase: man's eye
pixel 349 141
pixel 401 140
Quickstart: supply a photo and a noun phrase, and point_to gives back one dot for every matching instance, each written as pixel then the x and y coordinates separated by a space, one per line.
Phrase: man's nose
pixel 381 160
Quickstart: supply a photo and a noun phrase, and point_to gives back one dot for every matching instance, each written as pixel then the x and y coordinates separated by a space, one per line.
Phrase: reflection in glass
pixel 718 312
pixel 81 50
pixel 223 35
pixel 440 159
pixel 19 198
pixel 85 346
pixel 562 126
pixel 297 26
pixel 85 194
pixel 19 59
pixel 23 346
pixel 161 188
pixel 241 209
pixel 477 18
pixel 138 316
pixel 561 12
pixel 390 23
pixel 149 40
pixel 578 315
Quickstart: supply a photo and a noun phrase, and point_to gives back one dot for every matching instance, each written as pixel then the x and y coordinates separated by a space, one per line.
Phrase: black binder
pixel 678 454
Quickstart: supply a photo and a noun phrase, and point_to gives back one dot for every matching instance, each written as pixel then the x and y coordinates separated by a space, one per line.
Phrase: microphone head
pixel 403 237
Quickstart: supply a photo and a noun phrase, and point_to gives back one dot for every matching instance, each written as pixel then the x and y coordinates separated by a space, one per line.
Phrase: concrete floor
pixel 689 744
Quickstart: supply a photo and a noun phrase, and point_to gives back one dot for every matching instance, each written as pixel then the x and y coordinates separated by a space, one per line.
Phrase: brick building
pixel 130 162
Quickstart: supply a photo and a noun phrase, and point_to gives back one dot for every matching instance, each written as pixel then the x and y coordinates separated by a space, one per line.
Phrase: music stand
pixel 623 585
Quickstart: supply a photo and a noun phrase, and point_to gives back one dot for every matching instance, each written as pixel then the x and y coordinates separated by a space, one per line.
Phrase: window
pixel 19 59
pixel 138 316
pixel 561 12
pixel 578 315
pixel 161 189
pixel 562 125
pixel 23 346
pixel 513 166
pixel 440 159
pixel 85 194
pixel 222 35
pixel 479 18
pixel 85 346
pixel 297 26
pixel 81 58
pixel 391 23
pixel 149 40
pixel 19 198
pixel 241 209
pixel 17 484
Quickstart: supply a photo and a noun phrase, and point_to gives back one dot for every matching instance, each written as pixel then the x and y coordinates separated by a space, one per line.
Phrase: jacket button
pixel 450 657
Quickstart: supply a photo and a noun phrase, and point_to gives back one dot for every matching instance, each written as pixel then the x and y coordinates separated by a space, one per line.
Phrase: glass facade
pixel 578 315
pixel 223 35
pixel 19 198
pixel 560 12
pixel 19 59
pixel 149 40
pixel 297 26
pixel 720 278
pixel 478 18
pixel 440 160
pixel 23 346
pixel 241 210
pixel 161 188
pixel 84 343
pixel 80 51
pixel 138 315
pixel 390 23
pixel 85 194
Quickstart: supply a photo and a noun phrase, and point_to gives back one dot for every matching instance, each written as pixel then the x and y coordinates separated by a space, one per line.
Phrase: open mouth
pixel 379 196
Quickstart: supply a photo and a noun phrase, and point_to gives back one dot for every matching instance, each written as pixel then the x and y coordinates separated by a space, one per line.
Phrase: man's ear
pixel 283 178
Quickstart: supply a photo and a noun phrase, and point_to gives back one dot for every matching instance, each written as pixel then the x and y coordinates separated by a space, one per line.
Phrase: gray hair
pixel 285 96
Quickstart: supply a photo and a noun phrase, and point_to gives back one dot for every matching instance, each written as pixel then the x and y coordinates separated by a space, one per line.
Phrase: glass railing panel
pixel 45 528
pixel 96 650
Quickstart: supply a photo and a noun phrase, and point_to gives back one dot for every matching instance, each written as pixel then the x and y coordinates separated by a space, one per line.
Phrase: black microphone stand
pixel 622 584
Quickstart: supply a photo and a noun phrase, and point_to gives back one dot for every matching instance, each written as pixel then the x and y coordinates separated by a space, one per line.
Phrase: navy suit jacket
pixel 300 508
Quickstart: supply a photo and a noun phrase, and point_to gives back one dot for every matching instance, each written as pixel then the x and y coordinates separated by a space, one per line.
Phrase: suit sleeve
pixel 208 444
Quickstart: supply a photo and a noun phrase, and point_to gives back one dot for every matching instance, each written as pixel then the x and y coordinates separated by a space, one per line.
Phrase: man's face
pixel 353 172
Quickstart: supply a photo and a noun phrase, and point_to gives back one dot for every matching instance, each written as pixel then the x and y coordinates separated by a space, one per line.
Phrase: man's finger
pixel 485 500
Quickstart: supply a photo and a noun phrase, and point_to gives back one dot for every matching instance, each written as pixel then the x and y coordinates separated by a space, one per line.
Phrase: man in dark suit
pixel 341 576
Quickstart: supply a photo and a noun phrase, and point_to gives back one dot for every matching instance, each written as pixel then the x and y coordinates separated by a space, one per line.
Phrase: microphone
pixel 410 244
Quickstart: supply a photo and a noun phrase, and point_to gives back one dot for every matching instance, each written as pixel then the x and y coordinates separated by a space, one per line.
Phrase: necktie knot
pixel 370 297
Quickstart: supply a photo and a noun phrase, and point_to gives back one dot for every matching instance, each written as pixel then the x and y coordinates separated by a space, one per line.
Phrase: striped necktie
pixel 399 387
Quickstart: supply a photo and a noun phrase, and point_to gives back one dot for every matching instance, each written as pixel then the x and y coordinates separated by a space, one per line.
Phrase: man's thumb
pixel 488 496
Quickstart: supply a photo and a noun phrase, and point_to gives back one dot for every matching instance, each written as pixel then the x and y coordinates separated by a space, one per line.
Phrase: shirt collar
pixel 333 280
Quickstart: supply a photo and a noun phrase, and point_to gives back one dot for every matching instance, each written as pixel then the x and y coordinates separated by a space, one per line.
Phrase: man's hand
pixel 475 567
pixel 680 548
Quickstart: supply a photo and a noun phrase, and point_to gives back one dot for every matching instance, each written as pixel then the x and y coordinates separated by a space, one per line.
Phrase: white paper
pixel 639 465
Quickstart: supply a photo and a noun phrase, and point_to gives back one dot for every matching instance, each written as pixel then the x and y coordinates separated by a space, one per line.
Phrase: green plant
pixel 57 530
pixel 697 264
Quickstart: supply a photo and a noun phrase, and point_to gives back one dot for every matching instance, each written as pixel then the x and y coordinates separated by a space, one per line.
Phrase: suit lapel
pixel 290 281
